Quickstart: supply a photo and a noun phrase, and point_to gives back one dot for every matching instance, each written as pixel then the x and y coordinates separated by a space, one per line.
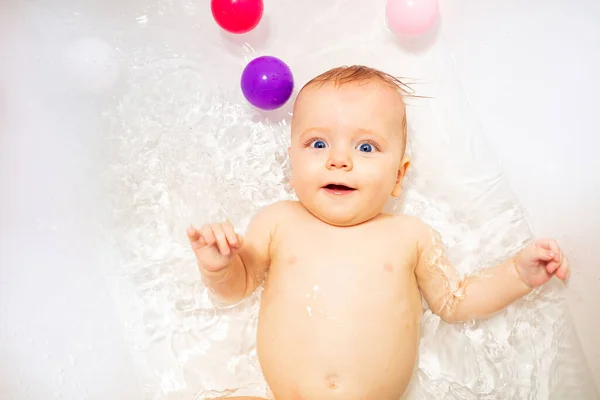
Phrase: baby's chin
pixel 341 219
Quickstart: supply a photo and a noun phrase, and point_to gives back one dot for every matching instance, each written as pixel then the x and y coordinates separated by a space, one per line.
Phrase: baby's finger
pixel 230 234
pixel 542 244
pixel 554 247
pixel 221 239
pixel 552 266
pixel 195 238
pixel 543 254
pixel 193 234
pixel 207 235
pixel 240 240
pixel 564 271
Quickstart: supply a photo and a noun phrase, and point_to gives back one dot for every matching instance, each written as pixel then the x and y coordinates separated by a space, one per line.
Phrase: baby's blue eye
pixel 318 144
pixel 366 147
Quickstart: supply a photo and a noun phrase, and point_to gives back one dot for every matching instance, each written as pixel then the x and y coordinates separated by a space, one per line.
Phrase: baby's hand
pixel 214 245
pixel 539 261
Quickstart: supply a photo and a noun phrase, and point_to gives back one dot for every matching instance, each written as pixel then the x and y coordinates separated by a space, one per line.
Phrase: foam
pixel 186 148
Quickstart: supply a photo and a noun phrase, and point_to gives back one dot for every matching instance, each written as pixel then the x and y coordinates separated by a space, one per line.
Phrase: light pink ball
pixel 411 17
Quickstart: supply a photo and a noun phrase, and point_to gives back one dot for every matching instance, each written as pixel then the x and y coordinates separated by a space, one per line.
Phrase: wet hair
pixel 340 76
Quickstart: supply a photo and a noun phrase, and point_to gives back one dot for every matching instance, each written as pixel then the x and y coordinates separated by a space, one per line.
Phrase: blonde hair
pixel 359 73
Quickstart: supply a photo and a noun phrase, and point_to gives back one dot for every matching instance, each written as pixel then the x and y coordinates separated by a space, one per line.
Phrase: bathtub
pixel 100 164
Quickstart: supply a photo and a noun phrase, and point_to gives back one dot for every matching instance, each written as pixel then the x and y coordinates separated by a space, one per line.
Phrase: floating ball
pixel 93 64
pixel 411 17
pixel 237 16
pixel 267 82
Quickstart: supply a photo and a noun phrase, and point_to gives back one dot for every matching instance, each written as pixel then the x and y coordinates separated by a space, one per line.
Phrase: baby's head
pixel 348 144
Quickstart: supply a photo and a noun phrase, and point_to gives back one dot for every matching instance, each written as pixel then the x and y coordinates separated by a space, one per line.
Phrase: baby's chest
pixel 348 259
pixel 327 276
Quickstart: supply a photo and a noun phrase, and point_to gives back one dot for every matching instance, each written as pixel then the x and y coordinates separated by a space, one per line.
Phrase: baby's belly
pixel 328 343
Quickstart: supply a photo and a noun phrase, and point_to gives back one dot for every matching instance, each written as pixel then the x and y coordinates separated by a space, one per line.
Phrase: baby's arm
pixel 232 267
pixel 457 299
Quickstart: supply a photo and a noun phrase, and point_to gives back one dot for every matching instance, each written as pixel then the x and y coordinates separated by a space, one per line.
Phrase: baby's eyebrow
pixel 370 132
pixel 313 131
pixel 316 128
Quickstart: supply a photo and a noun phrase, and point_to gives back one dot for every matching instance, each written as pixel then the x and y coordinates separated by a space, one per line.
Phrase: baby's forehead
pixel 375 86
pixel 359 97
pixel 370 97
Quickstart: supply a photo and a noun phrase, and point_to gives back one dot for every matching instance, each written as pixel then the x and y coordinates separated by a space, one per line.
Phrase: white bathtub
pixel 528 70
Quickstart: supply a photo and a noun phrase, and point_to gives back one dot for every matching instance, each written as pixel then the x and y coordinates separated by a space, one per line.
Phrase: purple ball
pixel 267 82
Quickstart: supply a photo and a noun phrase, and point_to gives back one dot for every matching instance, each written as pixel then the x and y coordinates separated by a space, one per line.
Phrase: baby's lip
pixel 338 186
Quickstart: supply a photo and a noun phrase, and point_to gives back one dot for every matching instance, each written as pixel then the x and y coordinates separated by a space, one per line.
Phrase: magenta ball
pixel 411 17
pixel 267 83
pixel 237 16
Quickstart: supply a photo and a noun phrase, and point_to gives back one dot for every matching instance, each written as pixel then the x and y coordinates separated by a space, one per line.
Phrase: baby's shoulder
pixel 280 207
pixel 406 221
pixel 413 227
pixel 277 211
pixel 266 220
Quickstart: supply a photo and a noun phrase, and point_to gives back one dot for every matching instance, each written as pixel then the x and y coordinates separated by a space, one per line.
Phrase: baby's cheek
pixel 383 175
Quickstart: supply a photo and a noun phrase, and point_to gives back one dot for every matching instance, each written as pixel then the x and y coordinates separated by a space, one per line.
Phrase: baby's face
pixel 346 150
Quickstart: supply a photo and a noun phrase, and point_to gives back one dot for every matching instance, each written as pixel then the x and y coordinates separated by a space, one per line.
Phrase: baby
pixel 341 307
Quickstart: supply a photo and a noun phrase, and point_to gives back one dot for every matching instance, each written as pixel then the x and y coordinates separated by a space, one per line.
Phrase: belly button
pixel 332 382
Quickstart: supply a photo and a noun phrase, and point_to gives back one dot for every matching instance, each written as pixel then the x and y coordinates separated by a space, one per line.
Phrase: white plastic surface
pixel 99 297
pixel 530 72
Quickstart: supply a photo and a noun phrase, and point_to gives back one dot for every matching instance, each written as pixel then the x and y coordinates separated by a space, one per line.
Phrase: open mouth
pixel 338 188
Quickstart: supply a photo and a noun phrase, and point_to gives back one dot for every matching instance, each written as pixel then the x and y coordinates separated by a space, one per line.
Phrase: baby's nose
pixel 339 160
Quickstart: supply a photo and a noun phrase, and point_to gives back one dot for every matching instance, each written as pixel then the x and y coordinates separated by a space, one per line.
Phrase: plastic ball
pixel 237 16
pixel 93 64
pixel 267 83
pixel 411 17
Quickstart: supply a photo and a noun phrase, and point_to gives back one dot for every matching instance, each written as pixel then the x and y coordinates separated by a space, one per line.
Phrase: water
pixel 174 143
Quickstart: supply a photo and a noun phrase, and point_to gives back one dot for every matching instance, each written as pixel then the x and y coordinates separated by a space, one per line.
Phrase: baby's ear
pixel 404 164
